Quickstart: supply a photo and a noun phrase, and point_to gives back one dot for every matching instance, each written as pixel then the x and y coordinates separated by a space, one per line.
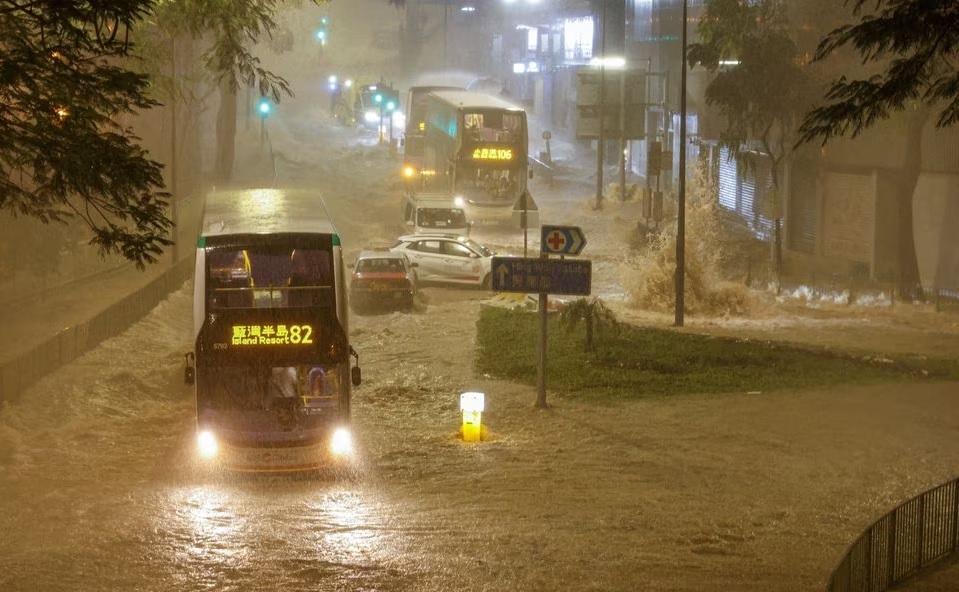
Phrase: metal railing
pixel 913 535
pixel 946 298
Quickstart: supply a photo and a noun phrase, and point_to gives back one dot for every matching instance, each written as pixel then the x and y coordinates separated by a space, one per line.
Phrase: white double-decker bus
pixel 413 136
pixel 476 147
pixel 271 362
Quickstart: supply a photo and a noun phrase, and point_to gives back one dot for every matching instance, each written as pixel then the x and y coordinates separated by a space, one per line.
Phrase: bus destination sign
pixel 272 335
pixel 492 154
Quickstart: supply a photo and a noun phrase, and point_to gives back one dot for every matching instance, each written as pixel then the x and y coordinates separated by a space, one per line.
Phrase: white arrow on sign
pixel 502 271
pixel 562 240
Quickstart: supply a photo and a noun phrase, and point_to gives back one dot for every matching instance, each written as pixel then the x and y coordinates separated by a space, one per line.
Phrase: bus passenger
pixel 310 269
pixel 283 382
pixel 322 387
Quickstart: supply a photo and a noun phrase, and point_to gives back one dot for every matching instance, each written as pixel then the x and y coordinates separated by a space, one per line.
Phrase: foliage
pixel 231 27
pixel 913 46
pixel 915 43
pixel 760 97
pixel 641 361
pixel 65 152
pixel 594 313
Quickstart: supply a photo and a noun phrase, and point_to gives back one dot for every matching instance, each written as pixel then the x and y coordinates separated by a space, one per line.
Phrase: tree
pixel 65 154
pixel 914 44
pixel 760 95
pixel 230 27
pixel 594 313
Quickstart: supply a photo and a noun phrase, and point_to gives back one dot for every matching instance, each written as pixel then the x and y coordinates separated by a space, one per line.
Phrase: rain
pixel 100 487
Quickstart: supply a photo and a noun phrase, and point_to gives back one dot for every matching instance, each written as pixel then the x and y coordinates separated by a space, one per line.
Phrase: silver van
pixel 434 213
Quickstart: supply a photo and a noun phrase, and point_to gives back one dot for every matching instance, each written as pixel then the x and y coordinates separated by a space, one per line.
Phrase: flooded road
pixel 99 489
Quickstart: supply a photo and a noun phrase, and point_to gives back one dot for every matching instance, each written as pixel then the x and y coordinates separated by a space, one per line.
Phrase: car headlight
pixel 206 444
pixel 341 444
pixel 459 201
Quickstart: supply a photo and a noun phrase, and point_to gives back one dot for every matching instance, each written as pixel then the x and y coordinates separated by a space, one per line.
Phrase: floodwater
pixel 99 489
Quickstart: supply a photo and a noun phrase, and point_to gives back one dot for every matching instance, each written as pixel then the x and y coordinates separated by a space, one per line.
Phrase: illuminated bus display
pixel 272 335
pixel 492 154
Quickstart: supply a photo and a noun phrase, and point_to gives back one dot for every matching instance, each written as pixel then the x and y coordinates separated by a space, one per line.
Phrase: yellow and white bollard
pixel 471 404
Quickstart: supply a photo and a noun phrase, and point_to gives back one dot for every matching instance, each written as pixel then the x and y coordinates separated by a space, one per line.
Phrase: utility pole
pixel 622 132
pixel 601 142
pixel 681 199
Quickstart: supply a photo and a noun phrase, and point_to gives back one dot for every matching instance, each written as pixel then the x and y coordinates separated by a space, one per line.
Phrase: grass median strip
pixel 632 362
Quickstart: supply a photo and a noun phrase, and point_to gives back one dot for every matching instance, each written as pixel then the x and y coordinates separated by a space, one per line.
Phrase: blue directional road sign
pixel 536 275
pixel 562 240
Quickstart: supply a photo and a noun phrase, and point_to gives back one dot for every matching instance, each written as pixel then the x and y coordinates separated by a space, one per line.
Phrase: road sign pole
pixel 523 216
pixel 541 350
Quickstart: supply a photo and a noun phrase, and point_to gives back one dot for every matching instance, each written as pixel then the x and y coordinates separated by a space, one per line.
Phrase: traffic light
pixel 323 31
pixel 388 99
pixel 391 102
pixel 264 107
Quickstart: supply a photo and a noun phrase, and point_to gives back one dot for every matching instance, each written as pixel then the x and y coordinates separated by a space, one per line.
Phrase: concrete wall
pixel 21 372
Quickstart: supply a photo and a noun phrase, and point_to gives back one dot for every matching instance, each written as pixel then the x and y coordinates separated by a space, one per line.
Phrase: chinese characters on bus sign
pixel 272 335
pixel 538 275
pixel 493 154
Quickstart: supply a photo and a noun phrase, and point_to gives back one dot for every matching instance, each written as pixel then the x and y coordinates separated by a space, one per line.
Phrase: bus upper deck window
pixel 310 270
pixel 230 266
pixel 230 279
pixel 310 267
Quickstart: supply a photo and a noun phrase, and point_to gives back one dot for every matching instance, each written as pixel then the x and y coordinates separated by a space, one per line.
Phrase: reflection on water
pixel 238 535
pixel 345 528
pixel 213 527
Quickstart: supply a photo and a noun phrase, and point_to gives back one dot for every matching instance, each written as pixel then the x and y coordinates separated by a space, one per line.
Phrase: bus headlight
pixel 459 201
pixel 206 444
pixel 341 444
pixel 408 172
pixel 371 117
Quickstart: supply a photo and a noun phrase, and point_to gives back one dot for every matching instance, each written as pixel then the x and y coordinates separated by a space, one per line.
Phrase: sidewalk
pixel 31 317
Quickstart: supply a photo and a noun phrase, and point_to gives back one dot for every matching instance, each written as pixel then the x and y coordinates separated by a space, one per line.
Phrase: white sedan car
pixel 447 258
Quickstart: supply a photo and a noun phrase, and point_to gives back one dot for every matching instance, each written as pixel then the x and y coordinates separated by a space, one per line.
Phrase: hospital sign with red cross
pixel 562 240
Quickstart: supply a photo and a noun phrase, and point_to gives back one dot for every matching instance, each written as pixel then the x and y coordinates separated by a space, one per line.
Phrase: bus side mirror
pixel 356 375
pixel 189 372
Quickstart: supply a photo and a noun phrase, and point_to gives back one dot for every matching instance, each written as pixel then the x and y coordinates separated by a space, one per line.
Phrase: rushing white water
pixel 99 489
